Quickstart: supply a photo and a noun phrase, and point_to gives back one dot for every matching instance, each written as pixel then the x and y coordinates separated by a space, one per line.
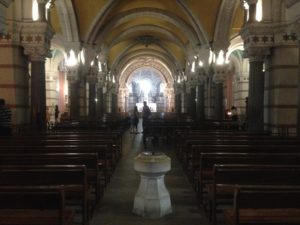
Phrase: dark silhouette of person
pixel 56 114
pixel 5 119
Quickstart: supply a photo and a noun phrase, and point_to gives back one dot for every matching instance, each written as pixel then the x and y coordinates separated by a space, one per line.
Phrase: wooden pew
pixel 34 206
pixel 192 159
pixel 113 151
pixel 74 179
pixel 106 163
pixel 115 137
pixel 208 160
pixel 89 160
pixel 264 205
pixel 225 177
pixel 185 151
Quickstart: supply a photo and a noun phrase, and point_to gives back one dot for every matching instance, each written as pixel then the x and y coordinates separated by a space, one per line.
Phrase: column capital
pixel 219 73
pixel 251 2
pixel 36 38
pixel 92 79
pixel 73 73
pixel 257 53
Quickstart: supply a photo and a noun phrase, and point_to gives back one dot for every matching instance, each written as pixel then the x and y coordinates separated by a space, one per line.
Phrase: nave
pixel 116 206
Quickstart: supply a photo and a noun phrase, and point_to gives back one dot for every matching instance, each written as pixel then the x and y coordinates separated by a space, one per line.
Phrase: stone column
pixel 252 10
pixel 92 97
pixel 220 72
pixel 114 103
pixel 100 103
pixel 42 10
pixel 256 95
pixel 191 102
pixel 219 100
pixel 35 39
pixel 200 106
pixel 298 110
pixel 74 99
pixel 38 93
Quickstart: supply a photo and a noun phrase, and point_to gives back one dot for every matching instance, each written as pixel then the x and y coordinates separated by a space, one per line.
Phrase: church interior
pixel 220 145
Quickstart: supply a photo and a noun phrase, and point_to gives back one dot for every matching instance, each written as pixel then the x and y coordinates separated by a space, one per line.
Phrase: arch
pixel 66 14
pixel 165 59
pixel 122 55
pixel 172 37
pixel 146 61
pixel 162 75
pixel 198 28
pixel 99 20
pixel 223 26
pixel 135 13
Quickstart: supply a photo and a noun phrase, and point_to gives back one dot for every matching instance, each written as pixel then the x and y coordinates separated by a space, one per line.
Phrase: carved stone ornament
pixel 3 8
pixel 257 54
pixel 92 79
pixel 220 72
pixel 36 38
pixel 73 74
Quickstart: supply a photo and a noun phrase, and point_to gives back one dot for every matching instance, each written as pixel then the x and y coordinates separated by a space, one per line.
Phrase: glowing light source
pixel 35 10
pixel 71 60
pixel 201 63
pixel 259 12
pixel 221 58
pixel 193 67
pixel 145 86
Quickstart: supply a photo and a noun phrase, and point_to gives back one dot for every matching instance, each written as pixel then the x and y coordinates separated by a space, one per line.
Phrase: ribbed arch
pixel 67 18
pixel 224 24
pixel 169 35
pixel 194 22
pixel 149 12
pixel 151 53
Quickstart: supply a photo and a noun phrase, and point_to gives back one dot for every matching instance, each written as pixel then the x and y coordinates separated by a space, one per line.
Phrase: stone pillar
pixel 219 101
pixel 38 93
pixel 200 106
pixel 92 102
pixel 191 102
pixel 298 108
pixel 252 10
pixel 114 103
pixel 74 99
pixel 220 72
pixel 14 81
pixel 36 38
pixel 42 10
pixel 100 103
pixel 256 95
pixel 83 111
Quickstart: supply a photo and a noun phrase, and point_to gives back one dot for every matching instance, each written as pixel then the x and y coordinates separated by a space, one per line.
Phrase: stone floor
pixel 117 203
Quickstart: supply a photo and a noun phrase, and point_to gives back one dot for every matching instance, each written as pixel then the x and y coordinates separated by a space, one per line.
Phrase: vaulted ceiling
pixel 171 30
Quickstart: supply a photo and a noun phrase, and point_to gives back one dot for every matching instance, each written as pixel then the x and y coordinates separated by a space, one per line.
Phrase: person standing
pixel 135 120
pixel 146 113
pixel 48 118
pixel 56 114
pixel 5 119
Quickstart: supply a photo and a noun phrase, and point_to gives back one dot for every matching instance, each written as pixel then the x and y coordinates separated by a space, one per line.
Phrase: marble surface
pixel 152 199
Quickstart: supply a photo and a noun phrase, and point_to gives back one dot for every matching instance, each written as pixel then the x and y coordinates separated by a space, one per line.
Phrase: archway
pixel 146 79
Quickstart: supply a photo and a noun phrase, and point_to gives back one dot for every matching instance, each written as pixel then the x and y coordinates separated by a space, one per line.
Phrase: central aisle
pixel 116 206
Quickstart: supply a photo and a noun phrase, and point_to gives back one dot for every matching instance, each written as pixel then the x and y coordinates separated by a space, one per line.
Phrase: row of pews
pixel 55 178
pixel 243 178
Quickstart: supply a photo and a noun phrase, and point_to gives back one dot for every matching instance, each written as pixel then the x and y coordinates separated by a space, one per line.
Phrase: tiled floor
pixel 116 205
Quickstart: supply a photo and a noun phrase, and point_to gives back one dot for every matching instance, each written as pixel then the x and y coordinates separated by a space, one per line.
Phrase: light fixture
pixel 71 60
pixel 35 10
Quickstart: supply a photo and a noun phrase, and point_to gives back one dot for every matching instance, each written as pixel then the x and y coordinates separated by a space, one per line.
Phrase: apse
pixel 147 84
